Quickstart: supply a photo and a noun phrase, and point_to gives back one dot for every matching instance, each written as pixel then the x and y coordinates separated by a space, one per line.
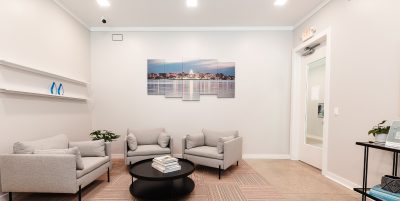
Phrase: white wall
pixel 260 110
pixel 41 35
pixel 365 82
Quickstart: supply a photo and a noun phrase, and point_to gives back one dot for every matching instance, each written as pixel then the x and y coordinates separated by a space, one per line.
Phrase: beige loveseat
pixel 27 171
pixel 213 149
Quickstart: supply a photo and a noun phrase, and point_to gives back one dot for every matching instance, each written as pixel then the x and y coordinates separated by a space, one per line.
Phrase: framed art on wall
pixel 189 79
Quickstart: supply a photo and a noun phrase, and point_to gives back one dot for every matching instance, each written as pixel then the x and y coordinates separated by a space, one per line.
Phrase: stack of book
pixel 378 192
pixel 166 164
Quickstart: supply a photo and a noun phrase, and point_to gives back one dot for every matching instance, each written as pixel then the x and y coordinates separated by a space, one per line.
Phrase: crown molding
pixel 312 13
pixel 188 29
pixel 59 4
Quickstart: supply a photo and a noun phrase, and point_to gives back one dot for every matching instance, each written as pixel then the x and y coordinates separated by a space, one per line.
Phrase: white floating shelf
pixel 30 93
pixel 40 72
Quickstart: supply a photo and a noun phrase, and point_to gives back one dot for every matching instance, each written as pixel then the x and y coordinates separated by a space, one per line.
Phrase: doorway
pixel 310 101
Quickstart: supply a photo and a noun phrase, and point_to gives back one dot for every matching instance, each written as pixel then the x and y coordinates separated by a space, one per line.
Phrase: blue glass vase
pixel 53 88
pixel 60 90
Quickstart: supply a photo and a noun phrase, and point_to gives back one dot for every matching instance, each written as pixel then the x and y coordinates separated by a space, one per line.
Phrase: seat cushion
pixel 132 142
pixel 163 139
pixel 205 151
pixel 194 140
pixel 144 150
pixel 211 136
pixel 90 148
pixel 90 164
pixel 146 137
pixel 55 142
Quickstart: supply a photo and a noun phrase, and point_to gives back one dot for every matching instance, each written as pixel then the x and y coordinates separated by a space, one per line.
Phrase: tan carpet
pixel 237 183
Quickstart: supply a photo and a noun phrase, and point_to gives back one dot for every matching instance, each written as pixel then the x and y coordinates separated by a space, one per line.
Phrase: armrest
pixel 52 173
pixel 183 146
pixel 232 151
pixel 171 144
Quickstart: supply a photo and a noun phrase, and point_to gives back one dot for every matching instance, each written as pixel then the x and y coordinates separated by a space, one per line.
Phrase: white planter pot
pixel 380 137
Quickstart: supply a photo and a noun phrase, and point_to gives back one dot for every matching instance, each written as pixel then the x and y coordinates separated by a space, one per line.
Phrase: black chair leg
pixel 10 196
pixel 219 172
pixel 108 174
pixel 237 163
pixel 80 193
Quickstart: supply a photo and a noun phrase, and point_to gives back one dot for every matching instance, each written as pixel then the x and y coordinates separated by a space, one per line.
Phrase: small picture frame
pixel 320 110
pixel 393 138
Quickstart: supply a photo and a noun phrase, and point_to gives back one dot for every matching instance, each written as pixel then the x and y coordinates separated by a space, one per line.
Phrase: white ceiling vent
pixel 117 37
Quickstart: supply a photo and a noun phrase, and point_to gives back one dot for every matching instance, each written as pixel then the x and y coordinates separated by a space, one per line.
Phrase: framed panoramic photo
pixel 393 138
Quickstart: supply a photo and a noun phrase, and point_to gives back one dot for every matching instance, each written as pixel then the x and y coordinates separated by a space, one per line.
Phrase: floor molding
pixel 245 156
pixel 183 29
pixel 117 156
pixel 4 197
pixel 340 180
pixel 266 156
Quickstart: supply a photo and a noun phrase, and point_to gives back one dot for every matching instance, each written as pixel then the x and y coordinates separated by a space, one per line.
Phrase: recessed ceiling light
pixel 191 3
pixel 103 3
pixel 280 2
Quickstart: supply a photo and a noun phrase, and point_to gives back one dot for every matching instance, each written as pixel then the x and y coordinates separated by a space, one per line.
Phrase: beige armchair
pixel 203 148
pixel 147 145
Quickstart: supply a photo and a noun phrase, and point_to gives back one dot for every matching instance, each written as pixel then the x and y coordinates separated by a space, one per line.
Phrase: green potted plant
pixel 380 131
pixel 107 136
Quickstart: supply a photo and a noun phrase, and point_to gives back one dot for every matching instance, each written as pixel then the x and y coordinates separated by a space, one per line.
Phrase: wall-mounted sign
pixel 308 33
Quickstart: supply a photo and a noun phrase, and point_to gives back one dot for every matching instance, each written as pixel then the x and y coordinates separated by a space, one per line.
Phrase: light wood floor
pixel 297 181
pixel 252 180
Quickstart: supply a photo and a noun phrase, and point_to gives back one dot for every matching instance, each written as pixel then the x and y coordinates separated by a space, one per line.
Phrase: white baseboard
pixel 177 155
pixel 266 156
pixel 4 197
pixel 340 180
pixel 117 156
pixel 121 156
pixel 245 156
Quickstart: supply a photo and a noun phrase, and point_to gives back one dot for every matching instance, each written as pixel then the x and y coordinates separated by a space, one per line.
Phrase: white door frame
pixel 295 117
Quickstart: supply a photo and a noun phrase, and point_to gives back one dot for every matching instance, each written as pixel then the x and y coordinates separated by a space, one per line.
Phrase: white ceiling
pixel 174 13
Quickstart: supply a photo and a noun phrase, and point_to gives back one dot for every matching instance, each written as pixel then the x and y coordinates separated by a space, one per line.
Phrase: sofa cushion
pixel 195 140
pixel 90 148
pixel 163 139
pixel 73 151
pixel 211 136
pixel 149 136
pixel 55 142
pixel 132 141
pixel 205 151
pixel 143 150
pixel 221 141
pixel 91 163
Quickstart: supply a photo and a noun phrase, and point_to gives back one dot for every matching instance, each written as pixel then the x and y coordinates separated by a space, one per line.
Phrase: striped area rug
pixel 238 183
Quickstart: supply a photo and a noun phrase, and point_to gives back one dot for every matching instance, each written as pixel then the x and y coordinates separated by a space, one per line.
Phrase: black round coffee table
pixel 155 185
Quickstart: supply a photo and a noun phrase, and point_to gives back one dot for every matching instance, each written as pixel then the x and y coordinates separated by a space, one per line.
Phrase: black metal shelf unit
pixel 364 190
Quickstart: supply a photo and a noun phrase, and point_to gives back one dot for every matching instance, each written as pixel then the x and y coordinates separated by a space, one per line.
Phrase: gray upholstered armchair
pixel 145 144
pixel 214 149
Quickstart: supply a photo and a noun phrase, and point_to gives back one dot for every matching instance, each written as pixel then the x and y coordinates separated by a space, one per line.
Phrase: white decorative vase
pixel 380 137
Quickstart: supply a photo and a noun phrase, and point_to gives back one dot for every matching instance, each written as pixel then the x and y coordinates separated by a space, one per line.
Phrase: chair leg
pixel 9 196
pixel 108 174
pixel 219 172
pixel 237 163
pixel 80 193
